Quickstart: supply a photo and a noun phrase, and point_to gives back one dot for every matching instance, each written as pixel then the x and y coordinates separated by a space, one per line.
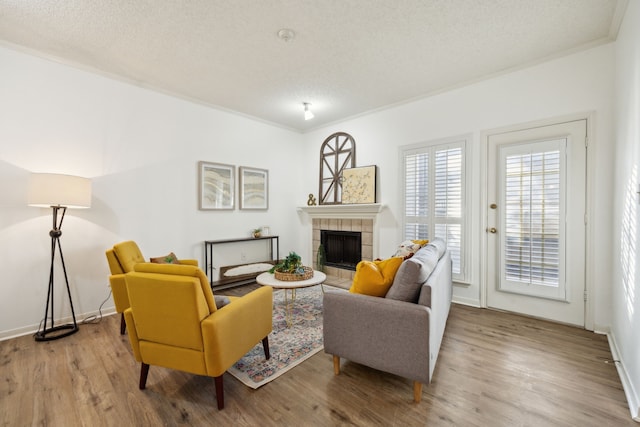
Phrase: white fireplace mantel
pixel 354 211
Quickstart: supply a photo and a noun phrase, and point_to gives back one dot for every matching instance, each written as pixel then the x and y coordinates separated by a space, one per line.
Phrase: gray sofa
pixel 402 332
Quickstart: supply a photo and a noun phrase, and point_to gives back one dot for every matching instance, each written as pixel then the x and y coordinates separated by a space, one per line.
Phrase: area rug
pixel 289 345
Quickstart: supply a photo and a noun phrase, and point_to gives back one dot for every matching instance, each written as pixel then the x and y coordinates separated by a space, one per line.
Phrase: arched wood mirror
pixel 338 152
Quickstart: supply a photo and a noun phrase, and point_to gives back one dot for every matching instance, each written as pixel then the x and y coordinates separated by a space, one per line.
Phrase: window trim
pixel 450 142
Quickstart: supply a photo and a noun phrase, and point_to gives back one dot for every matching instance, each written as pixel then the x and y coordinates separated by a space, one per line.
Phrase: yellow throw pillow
pixel 375 277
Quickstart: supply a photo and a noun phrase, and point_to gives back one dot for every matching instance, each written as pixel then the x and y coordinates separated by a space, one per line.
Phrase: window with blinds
pixel 434 195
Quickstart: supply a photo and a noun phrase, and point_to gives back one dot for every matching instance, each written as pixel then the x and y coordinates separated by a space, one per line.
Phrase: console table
pixel 240 280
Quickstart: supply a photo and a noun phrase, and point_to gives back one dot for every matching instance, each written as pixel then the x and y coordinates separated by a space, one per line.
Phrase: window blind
pixel 434 197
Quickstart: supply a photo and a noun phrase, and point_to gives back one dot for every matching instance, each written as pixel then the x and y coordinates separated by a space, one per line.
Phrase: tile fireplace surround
pixel 364 226
pixel 360 218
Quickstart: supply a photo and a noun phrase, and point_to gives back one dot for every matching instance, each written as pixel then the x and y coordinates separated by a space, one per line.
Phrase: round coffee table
pixel 268 279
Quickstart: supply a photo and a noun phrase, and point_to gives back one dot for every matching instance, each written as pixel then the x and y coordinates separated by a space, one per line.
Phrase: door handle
pixel 492 230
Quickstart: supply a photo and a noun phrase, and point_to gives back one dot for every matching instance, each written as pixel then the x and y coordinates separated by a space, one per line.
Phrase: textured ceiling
pixel 348 57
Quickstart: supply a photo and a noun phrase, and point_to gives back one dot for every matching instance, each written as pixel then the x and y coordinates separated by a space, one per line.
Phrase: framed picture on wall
pixel 359 185
pixel 254 188
pixel 216 186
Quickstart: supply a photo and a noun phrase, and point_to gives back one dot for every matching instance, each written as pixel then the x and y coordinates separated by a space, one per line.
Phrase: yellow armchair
pixel 173 322
pixel 122 258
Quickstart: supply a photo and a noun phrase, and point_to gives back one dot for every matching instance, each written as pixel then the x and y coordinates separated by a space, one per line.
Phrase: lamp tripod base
pixel 56 332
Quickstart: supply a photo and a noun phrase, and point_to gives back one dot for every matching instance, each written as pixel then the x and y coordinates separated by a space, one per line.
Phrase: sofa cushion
pixel 440 245
pixel 375 277
pixel 413 273
pixel 409 247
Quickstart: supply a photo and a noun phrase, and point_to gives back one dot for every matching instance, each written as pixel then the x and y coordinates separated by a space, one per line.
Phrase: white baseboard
pixel 466 301
pixel 602 330
pixel 630 392
pixel 32 329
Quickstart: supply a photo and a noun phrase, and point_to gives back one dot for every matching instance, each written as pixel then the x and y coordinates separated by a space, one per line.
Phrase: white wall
pixel 141 149
pixel 625 325
pixel 582 82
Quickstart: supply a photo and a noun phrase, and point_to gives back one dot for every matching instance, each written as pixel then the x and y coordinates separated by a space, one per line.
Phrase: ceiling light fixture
pixel 308 115
pixel 286 34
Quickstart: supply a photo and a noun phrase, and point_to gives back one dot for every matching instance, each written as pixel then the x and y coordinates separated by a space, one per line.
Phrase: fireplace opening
pixel 343 249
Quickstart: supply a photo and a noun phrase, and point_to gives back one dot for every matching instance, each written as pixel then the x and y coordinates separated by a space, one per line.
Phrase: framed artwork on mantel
pixel 216 185
pixel 359 185
pixel 254 188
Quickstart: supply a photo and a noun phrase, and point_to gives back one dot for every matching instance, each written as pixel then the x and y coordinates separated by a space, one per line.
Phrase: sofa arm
pixel 193 262
pixel 388 335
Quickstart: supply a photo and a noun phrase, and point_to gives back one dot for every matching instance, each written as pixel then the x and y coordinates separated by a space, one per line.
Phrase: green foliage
pixel 322 258
pixel 291 264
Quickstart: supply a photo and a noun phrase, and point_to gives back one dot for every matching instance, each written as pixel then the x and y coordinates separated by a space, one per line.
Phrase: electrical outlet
pixel 243 256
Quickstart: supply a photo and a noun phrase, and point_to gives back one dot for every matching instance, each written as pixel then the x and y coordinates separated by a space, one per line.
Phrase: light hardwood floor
pixel 494 369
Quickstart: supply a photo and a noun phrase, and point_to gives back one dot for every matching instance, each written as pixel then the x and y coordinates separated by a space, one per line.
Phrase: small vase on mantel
pixel 257 232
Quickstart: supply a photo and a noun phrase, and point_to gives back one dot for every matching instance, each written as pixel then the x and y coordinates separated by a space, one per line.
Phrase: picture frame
pixel 216 183
pixel 359 185
pixel 254 188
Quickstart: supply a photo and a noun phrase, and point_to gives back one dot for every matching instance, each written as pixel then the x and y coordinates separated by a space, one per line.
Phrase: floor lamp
pixel 58 192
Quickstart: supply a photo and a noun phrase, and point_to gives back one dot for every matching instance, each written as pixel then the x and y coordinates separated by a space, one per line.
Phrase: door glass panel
pixel 532 217
pixel 532 175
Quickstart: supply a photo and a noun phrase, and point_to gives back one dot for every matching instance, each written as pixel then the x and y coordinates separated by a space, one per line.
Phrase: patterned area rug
pixel 289 345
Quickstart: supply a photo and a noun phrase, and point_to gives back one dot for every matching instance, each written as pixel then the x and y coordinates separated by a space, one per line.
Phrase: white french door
pixel 536 221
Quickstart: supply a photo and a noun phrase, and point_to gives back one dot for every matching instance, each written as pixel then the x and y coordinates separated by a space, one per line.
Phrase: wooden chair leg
pixel 219 392
pixel 265 346
pixel 336 365
pixel 417 391
pixel 144 371
pixel 123 324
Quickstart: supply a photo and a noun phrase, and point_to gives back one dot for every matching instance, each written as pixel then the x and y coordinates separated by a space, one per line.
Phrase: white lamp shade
pixel 50 189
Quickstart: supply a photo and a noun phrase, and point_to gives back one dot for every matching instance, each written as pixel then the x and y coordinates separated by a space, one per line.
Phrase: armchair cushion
pixel 168 315
pixel 375 277
pixel 128 254
pixel 182 270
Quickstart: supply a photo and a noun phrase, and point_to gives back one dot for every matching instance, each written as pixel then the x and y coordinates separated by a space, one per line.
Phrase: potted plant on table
pixel 291 268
